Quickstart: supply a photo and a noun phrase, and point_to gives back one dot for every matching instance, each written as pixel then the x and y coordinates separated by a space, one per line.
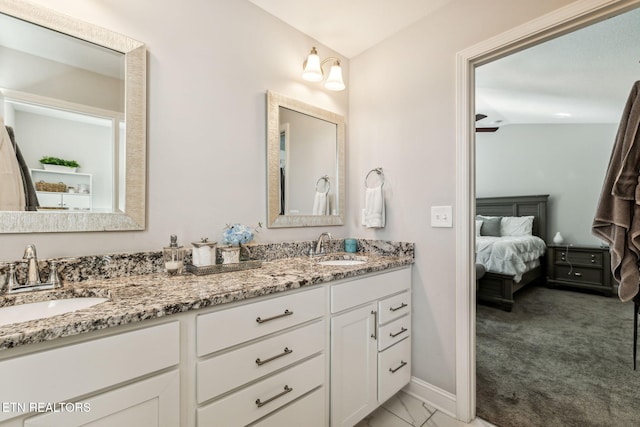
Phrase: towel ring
pixel 325 179
pixel 380 177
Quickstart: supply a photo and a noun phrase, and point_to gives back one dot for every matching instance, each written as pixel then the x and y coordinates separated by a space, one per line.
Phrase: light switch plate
pixel 441 216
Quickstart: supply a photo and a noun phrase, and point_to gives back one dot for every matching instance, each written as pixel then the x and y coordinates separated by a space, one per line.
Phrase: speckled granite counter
pixel 141 297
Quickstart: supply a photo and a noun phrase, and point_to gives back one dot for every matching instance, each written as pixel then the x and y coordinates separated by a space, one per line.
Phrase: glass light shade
pixel 334 81
pixel 312 71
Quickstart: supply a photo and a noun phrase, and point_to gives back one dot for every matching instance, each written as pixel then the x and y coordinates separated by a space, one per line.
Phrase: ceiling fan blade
pixel 492 129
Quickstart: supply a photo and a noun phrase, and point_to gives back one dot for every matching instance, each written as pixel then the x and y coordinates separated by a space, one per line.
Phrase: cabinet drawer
pixel 230 370
pixel 394 369
pixel 259 399
pixel 578 274
pixel 579 257
pixel 63 373
pixel 394 307
pixel 361 291
pixel 309 411
pixel 393 332
pixel 225 328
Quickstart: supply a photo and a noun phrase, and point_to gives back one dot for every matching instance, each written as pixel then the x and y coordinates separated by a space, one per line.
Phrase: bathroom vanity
pixel 291 343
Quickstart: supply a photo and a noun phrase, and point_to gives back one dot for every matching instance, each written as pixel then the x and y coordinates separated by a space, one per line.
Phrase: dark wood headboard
pixel 535 206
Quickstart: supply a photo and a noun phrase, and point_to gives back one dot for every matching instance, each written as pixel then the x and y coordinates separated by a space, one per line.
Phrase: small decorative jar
pixel 230 254
pixel 204 252
pixel 350 245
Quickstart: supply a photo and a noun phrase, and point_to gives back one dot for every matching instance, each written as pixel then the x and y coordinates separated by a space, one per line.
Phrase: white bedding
pixel 512 255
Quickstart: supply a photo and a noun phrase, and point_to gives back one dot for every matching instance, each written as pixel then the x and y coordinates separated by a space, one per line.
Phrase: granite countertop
pixel 137 298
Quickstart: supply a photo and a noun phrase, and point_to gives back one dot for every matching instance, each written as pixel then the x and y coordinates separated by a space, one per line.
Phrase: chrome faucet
pixel 33 282
pixel 319 249
pixel 33 273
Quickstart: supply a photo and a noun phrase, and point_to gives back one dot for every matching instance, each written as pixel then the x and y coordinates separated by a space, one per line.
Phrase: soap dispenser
pixel 173 257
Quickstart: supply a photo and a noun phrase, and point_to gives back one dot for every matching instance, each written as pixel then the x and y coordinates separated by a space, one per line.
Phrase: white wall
pixel 568 162
pixel 210 65
pixel 402 117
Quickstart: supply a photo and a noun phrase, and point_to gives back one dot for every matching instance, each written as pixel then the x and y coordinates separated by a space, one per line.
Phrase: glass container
pixel 173 256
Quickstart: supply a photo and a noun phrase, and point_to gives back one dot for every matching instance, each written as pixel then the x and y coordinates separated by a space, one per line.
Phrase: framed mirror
pixel 305 164
pixel 79 95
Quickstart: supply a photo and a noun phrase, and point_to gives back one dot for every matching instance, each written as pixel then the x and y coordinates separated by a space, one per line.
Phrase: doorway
pixel 562 21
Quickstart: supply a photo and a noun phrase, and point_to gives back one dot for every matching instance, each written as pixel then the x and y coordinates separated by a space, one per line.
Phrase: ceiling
pixel 582 77
pixel 350 27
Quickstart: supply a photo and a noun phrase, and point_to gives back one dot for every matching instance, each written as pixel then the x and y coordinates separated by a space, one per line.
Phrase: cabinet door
pixel 154 402
pixel 353 365
pixel 77 201
pixel 49 200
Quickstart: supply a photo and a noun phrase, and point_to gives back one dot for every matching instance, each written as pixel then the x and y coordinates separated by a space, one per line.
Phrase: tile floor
pixel 403 410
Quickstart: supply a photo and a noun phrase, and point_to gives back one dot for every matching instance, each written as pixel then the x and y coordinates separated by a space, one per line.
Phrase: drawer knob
pixel 403 305
pixel 577 274
pixel 402 331
pixel 287 389
pixel 286 351
pixel 402 364
pixel 277 316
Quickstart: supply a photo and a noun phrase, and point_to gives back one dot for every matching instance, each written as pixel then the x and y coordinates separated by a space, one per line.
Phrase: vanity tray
pixel 223 268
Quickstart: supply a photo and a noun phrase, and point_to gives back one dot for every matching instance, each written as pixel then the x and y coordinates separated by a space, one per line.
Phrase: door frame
pixel 561 21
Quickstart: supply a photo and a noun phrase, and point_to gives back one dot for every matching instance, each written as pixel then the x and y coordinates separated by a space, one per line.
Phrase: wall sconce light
pixel 312 71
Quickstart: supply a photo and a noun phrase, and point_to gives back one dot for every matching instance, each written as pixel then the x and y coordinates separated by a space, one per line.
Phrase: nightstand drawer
pixel 579 257
pixel 577 274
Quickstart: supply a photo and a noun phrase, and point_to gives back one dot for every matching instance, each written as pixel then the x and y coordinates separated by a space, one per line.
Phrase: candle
pixel 173 267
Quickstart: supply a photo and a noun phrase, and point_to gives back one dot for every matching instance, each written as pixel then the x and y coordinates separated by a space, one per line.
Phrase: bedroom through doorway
pixel 546 121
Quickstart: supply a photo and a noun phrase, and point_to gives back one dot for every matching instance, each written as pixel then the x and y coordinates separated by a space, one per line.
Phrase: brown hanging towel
pixel 617 218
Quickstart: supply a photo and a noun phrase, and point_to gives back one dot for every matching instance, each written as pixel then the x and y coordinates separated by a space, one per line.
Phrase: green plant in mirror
pixel 48 160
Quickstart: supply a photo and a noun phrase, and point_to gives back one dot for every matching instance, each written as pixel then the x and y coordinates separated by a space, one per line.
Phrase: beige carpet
pixel 560 358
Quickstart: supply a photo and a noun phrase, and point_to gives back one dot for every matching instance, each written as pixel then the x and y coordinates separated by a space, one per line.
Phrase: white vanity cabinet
pixel 370 345
pixel 256 358
pixel 138 370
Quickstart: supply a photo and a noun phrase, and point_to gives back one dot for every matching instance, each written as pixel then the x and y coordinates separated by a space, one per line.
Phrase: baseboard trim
pixel 434 396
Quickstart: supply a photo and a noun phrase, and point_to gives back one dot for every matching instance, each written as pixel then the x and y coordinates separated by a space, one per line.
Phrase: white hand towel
pixel 374 215
pixel 320 204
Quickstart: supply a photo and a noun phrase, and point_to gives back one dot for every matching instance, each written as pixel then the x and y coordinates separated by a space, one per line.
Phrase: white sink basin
pixel 43 309
pixel 342 262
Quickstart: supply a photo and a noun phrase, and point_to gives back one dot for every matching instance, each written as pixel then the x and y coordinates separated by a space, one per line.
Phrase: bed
pixel 499 288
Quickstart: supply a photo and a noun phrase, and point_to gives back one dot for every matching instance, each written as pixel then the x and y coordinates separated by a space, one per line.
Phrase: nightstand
pixel 583 267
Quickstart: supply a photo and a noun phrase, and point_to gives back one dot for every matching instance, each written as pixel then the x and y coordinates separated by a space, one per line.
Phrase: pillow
pixel 478 226
pixel 516 226
pixel 490 226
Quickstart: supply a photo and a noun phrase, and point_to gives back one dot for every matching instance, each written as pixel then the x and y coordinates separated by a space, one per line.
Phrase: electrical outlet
pixel 441 216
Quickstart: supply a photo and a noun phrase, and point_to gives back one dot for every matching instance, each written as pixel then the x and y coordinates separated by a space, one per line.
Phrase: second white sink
pixel 342 262
pixel 43 309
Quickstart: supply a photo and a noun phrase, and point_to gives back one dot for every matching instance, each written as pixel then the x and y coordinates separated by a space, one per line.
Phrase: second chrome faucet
pixel 319 248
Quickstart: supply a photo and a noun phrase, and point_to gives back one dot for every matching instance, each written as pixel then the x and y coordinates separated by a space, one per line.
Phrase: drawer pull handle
pixel 287 389
pixel 402 331
pixel 403 305
pixel 577 274
pixel 402 364
pixel 277 316
pixel 277 356
pixel 374 335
